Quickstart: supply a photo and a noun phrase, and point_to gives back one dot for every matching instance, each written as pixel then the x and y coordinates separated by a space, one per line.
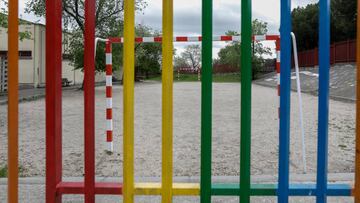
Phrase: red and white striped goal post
pixel 222 38
pixel 117 40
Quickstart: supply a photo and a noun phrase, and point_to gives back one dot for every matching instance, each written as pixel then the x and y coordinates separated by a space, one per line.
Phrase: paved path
pixel 342 81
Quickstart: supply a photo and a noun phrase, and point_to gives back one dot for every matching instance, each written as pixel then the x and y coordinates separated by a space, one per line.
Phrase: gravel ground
pixel 226 119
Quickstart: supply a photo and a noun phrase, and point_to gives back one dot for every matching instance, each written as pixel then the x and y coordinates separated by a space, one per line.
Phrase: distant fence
pixel 269 66
pixel 340 52
pixel 217 68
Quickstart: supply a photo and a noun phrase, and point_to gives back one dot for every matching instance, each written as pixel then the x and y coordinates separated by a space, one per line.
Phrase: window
pixel 3 54
pixel 22 54
pixel 25 55
pixel 67 56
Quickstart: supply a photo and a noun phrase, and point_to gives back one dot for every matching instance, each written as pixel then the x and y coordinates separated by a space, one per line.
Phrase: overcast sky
pixel 187 16
pixel 226 16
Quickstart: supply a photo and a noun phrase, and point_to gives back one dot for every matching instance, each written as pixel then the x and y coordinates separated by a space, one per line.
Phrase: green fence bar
pixel 206 101
pixel 246 77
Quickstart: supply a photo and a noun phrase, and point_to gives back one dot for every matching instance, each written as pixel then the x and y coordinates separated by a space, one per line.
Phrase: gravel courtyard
pixel 226 130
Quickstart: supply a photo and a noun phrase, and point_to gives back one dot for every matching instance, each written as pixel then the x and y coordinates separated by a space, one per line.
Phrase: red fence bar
pixel 89 101
pixel 53 99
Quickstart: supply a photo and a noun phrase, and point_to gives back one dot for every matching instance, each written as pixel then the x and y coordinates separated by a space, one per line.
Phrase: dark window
pixel 25 55
pixel 22 54
pixel 67 56
pixel 3 54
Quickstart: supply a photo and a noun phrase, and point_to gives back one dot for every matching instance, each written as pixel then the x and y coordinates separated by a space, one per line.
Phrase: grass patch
pixel 229 77
pixel 3 172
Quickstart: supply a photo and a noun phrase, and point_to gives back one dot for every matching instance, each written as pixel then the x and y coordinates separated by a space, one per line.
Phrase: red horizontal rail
pixel 101 188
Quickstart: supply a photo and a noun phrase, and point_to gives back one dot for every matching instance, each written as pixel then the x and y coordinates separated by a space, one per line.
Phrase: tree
pixel 108 22
pixel 74 14
pixel 4 22
pixel 179 62
pixel 192 56
pixel 148 55
pixel 259 27
pixel 230 54
pixel 305 23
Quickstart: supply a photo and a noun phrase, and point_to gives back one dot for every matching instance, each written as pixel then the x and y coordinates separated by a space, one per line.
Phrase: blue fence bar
pixel 323 113
pixel 284 134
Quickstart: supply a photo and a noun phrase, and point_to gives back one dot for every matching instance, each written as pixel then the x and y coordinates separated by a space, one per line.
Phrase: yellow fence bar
pixel 129 64
pixel 13 108
pixel 167 101
pixel 178 189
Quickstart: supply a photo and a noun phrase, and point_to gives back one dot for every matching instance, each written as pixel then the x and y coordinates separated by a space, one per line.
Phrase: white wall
pixel 26 65
pixel 32 69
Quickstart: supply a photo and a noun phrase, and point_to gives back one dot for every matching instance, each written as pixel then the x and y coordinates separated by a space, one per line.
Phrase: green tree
pixel 148 55
pixel 108 22
pixel 259 27
pixel 230 54
pixel 4 22
pixel 305 22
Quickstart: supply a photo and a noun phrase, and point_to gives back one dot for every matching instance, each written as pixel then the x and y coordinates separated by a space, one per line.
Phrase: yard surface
pixel 226 130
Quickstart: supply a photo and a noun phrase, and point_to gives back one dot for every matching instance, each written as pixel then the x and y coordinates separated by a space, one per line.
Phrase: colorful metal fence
pixel 55 187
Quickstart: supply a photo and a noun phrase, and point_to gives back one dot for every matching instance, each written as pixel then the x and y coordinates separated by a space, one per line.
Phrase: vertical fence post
pixel 357 150
pixel 109 121
pixel 53 99
pixel 167 101
pixel 206 101
pixel 89 101
pixel 129 62
pixel 13 106
pixel 334 53
pixel 323 112
pixel 284 134
pixel 246 79
pixel 347 50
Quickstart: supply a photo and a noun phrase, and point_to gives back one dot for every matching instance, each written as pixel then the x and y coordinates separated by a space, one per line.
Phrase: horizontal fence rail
pixel 340 52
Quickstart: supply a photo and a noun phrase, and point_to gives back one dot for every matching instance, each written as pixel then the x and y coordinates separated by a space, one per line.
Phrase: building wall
pixel 26 64
pixel 32 69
